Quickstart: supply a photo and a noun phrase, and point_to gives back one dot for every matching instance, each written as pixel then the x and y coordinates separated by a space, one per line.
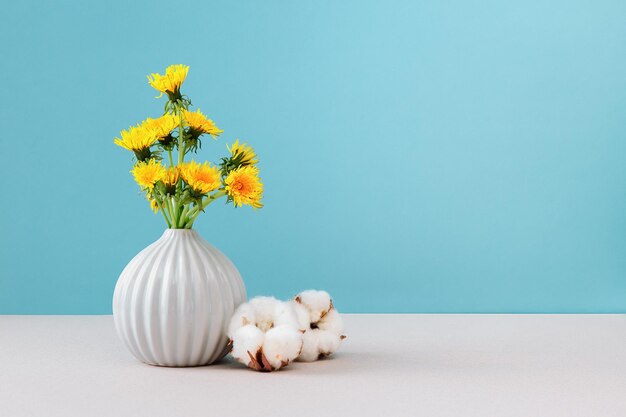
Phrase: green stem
pixel 183 216
pixel 169 153
pixel 181 137
pixel 174 205
pixel 179 215
pixel 168 203
pixel 181 157
pixel 195 212
pixel 161 209
pixel 189 222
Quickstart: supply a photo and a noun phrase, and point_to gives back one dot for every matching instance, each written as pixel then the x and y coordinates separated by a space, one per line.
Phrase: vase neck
pixel 179 232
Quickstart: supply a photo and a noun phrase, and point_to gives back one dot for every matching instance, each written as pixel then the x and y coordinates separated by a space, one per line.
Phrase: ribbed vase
pixel 173 301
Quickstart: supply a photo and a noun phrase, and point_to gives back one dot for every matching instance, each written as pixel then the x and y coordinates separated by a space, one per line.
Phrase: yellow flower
pixel 170 82
pixel 171 176
pixel 154 205
pixel 242 154
pixel 148 173
pixel 244 186
pixel 162 126
pixel 137 139
pixel 199 124
pixel 203 178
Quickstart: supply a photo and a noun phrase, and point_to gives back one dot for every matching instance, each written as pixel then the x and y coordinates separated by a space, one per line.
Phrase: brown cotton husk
pixel 260 363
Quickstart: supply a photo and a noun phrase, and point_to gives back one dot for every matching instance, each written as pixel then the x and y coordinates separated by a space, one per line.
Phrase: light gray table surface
pixel 390 365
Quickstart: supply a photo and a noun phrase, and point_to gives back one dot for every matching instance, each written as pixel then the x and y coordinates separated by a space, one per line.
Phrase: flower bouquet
pixel 173 301
pixel 181 190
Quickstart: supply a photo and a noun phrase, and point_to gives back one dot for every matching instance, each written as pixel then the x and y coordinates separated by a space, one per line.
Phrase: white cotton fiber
pixel 282 345
pixel 321 322
pixel 331 322
pixel 317 302
pixel 246 341
pixel 264 334
pixel 310 346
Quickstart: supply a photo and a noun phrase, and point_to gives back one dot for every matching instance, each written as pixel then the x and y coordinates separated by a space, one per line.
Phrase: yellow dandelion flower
pixel 171 176
pixel 203 178
pixel 162 126
pixel 242 154
pixel 137 139
pixel 170 82
pixel 199 124
pixel 148 173
pixel 154 205
pixel 244 186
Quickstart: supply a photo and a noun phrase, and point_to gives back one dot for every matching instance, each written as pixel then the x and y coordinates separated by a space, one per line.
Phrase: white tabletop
pixel 390 365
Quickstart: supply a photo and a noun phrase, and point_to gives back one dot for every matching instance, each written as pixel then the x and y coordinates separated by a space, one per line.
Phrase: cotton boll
pixel 328 342
pixel 322 323
pixel 243 315
pixel 282 345
pixel 265 309
pixel 317 302
pixel 310 346
pixel 302 315
pixel 246 340
pixel 318 344
pixel 264 333
pixel 332 322
pixel 285 315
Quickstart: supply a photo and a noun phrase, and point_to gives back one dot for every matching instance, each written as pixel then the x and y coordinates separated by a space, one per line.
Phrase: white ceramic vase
pixel 173 301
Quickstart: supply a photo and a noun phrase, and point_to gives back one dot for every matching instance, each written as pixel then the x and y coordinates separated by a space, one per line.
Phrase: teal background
pixel 457 156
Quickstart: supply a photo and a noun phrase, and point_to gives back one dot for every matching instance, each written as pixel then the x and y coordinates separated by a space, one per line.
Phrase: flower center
pixel 204 177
